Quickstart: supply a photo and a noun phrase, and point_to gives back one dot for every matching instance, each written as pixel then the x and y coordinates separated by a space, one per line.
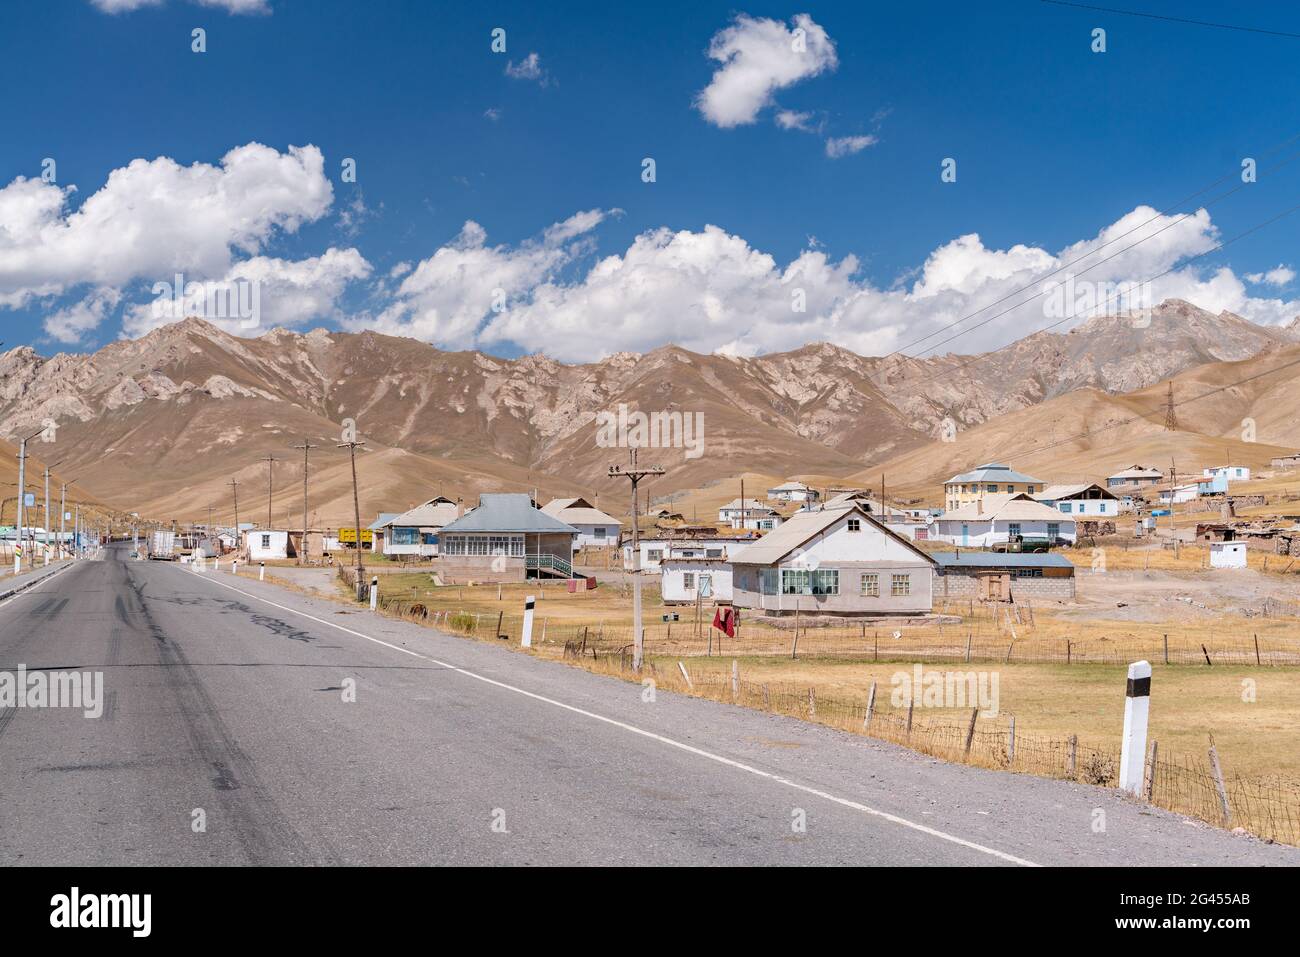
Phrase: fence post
pixel 969 634
pixel 1257 648
pixel 1011 742
pixel 1071 765
pixel 527 641
pixel 1151 770
pixel 911 702
pixel 1137 709
pixel 970 731
pixel 500 615
pixel 1218 784
pixel 871 705
pixel 1166 649
pixel 767 700
pixel 735 679
pixel 686 676
pixel 1068 651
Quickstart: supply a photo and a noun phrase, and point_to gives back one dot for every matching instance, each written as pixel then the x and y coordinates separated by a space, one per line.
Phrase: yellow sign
pixel 348 536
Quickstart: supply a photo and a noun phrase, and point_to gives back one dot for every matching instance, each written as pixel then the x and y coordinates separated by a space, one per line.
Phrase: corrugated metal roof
pixel 578 511
pixel 507 512
pixel 1054 492
pixel 432 514
pixel 994 472
pixel 383 519
pixel 800 528
pixel 1000 560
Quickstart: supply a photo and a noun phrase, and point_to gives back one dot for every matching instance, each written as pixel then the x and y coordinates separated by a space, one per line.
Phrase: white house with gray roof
pixel 595 528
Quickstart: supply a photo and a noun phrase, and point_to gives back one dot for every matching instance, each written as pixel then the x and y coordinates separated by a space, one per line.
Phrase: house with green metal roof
pixel 506 538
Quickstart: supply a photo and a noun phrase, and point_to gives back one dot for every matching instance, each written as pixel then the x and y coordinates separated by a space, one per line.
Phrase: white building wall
pixel 672 580
pixel 986 533
pixel 267 545
pixel 1227 554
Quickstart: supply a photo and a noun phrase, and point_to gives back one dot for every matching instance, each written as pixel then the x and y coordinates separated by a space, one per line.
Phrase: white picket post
pixel 1137 710
pixel 374 592
pixel 528 622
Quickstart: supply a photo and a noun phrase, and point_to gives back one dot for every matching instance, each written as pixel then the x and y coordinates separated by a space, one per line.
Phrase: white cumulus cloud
pixel 759 57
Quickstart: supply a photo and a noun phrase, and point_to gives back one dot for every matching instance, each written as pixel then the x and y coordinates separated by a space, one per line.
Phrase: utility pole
pixel 234 490
pixel 352 447
pixel 63 504
pixel 47 514
pixel 636 473
pixel 270 470
pixel 1173 492
pixel 306 449
pixel 22 499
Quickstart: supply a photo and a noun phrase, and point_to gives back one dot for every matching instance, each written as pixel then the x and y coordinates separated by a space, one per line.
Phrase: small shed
pixel 1227 554
pixel 686 579
pixel 266 544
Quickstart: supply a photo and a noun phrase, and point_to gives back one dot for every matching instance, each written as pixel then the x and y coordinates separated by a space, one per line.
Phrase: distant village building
pixel 1179 493
pixel 414 533
pixel 999 576
pixel 834 561
pixel 266 544
pixel 506 538
pixel 1227 554
pixel 595 528
pixel 749 514
pixel 1291 461
pixel 984 480
pixel 1233 473
pixel 1136 475
pixel 998 519
pixel 1091 500
pixel 654 550
pixel 793 492
pixel 683 580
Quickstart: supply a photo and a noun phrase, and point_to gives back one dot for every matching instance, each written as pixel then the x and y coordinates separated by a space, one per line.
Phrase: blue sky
pixel 1053 143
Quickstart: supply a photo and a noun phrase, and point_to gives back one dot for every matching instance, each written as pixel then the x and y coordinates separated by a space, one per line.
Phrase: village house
pixel 679 543
pixel 1091 500
pixel 984 480
pixel 1002 576
pixel 834 561
pixel 1179 493
pixel 266 544
pixel 414 533
pixel 1291 461
pixel 998 519
pixel 595 528
pixel 506 538
pixel 1135 475
pixel 683 580
pixel 793 492
pixel 749 514
pixel 1232 473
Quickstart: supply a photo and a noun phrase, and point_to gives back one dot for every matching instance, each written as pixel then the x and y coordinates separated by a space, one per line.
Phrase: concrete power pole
pixel 47 514
pixel 63 504
pixel 234 491
pixel 635 473
pixel 306 449
pixel 352 447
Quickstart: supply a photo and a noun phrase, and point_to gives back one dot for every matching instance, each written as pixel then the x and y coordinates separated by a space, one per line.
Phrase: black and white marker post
pixel 374 592
pixel 528 622
pixel 1137 709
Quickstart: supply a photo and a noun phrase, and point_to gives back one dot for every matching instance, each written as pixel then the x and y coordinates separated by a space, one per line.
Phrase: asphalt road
pixel 227 696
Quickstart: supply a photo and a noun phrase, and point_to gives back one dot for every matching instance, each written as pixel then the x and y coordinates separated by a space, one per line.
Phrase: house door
pixel 965 534
pixel 995 587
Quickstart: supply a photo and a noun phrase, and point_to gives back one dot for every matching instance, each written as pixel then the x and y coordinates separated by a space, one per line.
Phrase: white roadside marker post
pixel 528 622
pixel 1137 709
pixel 374 592
pixel 234 567
pixel 261 571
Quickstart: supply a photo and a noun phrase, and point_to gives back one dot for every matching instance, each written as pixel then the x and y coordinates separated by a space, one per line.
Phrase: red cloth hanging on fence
pixel 726 619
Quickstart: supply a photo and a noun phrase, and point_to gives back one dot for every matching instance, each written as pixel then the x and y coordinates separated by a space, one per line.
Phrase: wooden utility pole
pixel 270 461
pixel 306 448
pixel 1173 492
pixel 352 447
pixel 635 473
pixel 234 490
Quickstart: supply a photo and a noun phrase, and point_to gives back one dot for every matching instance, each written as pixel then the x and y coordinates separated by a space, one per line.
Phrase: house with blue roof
pixel 506 538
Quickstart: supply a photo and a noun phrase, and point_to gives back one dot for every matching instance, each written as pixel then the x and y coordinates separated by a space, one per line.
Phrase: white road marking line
pixel 720 759
pixel 28 590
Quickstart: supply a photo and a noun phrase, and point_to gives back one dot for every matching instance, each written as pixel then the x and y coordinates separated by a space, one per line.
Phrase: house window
pixel 1029 573
pixel 1011 488
pixel 1053 530
pixel 1013 529
pixel 900 585
pixel 1029 489
pixel 688 581
pixel 767 581
pixel 654 554
pixel 870 585
pixel 1101 508
pixel 1066 507
pixel 599 531
pixel 266 541
pixel 855 525
pixel 404 536
pixel 713 553
pixel 804 581
pixel 993 488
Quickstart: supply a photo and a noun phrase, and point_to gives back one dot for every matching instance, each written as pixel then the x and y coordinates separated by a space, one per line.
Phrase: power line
pixel 1038 280
pixel 1217 247
pixel 1157 16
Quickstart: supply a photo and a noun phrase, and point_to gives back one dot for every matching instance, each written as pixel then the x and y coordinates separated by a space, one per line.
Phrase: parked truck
pixel 162 545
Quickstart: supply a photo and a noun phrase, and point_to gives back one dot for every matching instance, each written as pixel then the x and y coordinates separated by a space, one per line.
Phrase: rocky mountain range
pixel 168 420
